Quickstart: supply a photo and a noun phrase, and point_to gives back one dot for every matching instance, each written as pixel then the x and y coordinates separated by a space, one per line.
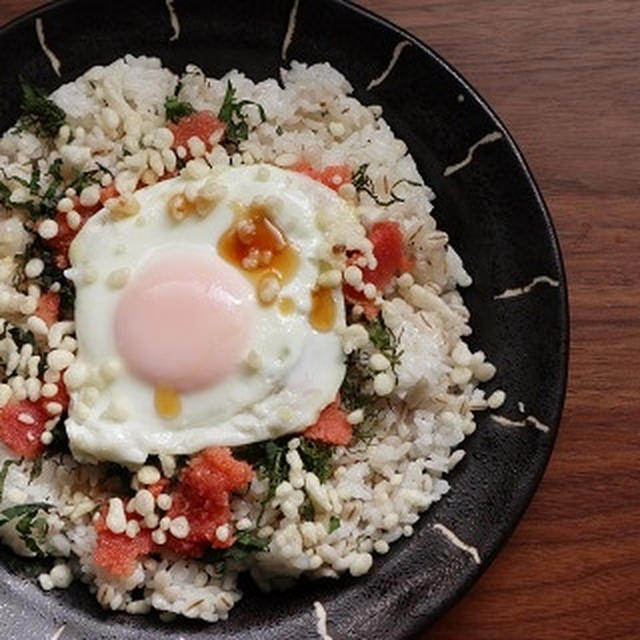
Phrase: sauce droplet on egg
pixel 257 246
pixel 167 402
pixel 286 306
pixel 323 309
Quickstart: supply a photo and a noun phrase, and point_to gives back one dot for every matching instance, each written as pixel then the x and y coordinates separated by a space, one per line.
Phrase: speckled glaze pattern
pixel 497 221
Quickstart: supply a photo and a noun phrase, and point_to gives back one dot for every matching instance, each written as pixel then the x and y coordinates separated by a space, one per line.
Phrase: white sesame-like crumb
pixel 496 399
pixel 48 229
pixel 383 384
pixel 144 502
pixel 159 536
pixel 46 583
pixel 223 533
pixel 116 520
pixel 61 576
pixel 179 528
pixel 148 474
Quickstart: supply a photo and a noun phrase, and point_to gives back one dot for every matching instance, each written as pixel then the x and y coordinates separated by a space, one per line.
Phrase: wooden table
pixel 565 77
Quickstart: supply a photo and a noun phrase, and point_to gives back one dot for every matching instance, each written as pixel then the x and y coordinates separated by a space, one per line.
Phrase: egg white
pixel 300 369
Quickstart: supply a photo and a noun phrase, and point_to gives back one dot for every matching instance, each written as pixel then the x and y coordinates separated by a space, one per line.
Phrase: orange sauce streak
pixel 167 402
pixel 255 245
pixel 323 309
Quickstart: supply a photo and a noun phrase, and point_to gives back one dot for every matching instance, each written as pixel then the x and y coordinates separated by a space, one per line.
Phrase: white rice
pixel 379 486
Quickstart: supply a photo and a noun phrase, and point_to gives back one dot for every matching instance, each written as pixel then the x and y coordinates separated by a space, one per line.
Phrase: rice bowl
pixel 489 206
pixel 411 382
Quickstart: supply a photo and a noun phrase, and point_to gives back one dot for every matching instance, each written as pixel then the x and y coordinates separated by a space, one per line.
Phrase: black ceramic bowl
pixel 497 221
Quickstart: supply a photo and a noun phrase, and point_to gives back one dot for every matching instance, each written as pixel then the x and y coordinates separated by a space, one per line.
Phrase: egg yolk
pixel 183 323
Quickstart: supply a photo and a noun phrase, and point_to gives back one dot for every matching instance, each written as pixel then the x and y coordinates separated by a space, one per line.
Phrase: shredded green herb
pixel 176 109
pixel 246 544
pixel 384 340
pixel 105 170
pixel 50 275
pixel 30 525
pixel 357 391
pixel 3 473
pixel 44 206
pixel 34 183
pixel 84 179
pixel 36 469
pixel 274 464
pixel 20 336
pixel 247 541
pixel 316 457
pixel 270 460
pixel 39 114
pixel 362 181
pixel 233 115
pixel 308 510
pixel 334 523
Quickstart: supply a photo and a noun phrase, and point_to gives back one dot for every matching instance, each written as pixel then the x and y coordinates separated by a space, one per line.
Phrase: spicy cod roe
pixel 201 124
pixel 389 252
pixel 23 422
pixel 201 496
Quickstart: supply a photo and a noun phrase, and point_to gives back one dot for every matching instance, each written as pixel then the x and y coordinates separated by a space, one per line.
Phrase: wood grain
pixel 564 77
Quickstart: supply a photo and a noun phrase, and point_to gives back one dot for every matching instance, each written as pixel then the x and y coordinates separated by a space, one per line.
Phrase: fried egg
pixel 196 315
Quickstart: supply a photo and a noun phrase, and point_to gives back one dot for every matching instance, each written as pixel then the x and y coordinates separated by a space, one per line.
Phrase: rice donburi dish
pixel 231 336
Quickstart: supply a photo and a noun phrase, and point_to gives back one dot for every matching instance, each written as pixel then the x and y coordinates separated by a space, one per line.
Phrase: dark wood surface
pixel 565 78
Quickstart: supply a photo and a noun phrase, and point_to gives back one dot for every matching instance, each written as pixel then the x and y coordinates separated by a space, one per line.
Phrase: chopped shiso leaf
pixel 47 193
pixel 51 274
pixel 357 391
pixel 308 510
pixel 30 525
pixel 39 114
pixel 274 464
pixel 334 523
pixel 176 109
pixel 384 340
pixel 44 206
pixel 269 459
pixel 36 469
pixel 316 457
pixel 232 114
pixel 246 544
pixel 21 337
pixel 362 181
pixel 5 195
pixel 83 179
